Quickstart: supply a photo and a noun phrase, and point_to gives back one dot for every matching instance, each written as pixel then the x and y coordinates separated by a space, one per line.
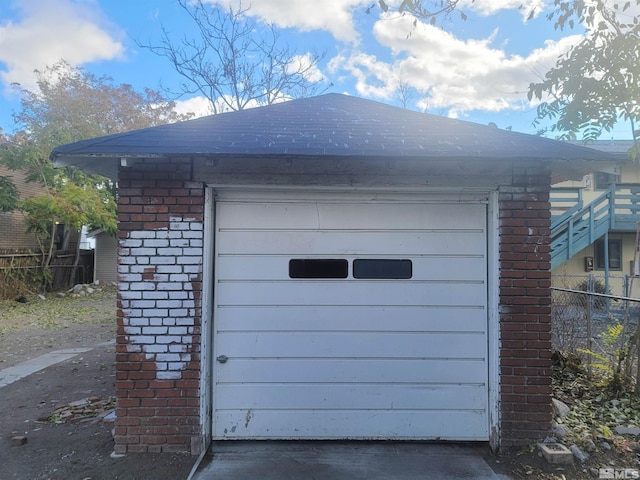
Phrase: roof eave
pixel 107 164
pixel 99 163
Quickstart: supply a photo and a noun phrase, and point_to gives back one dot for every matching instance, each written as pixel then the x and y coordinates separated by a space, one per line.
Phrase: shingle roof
pixel 618 148
pixel 327 125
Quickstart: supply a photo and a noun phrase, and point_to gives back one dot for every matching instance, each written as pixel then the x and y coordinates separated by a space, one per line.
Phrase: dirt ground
pixel 80 447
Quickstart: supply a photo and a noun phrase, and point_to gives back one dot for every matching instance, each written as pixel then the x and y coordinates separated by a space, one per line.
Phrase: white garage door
pixel 352 319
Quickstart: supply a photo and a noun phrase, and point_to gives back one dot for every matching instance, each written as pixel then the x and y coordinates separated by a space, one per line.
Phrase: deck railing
pixel 574 226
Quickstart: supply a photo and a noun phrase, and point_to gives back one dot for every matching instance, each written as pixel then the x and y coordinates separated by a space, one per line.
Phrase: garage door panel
pixel 356 345
pixel 352 318
pixel 319 293
pixel 319 215
pixel 296 242
pixel 314 396
pixel 397 424
pixel 283 370
pixel 276 267
pixel 350 358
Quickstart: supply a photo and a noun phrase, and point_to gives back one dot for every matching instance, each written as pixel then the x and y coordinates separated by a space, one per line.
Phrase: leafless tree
pixel 236 62
pixel 406 94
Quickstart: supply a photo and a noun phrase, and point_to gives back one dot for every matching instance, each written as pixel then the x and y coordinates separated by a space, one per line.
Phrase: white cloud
pixel 305 63
pixel 486 8
pixel 527 8
pixel 533 8
pixel 450 74
pixel 335 16
pixel 201 107
pixel 49 31
pixel 374 78
pixel 198 106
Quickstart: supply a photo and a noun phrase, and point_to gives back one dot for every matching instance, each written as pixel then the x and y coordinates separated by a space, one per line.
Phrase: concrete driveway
pixel 237 460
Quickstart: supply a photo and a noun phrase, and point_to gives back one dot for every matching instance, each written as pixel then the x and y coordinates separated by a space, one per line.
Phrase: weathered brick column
pixel 160 214
pixel 525 308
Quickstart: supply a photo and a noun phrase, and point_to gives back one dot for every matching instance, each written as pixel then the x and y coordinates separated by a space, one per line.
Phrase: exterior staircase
pixel 576 225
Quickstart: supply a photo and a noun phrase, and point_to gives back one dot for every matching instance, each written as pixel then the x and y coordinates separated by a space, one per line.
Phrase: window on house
pixel 615 254
pixel 602 180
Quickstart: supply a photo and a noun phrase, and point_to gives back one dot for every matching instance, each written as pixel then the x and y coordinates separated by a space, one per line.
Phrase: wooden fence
pixel 21 272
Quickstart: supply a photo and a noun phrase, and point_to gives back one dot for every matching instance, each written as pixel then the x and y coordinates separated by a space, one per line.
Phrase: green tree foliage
pixel 597 83
pixel 72 205
pixel 236 62
pixel 69 105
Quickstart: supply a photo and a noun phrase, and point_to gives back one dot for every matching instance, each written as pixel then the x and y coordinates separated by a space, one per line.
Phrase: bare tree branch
pixel 429 10
pixel 234 61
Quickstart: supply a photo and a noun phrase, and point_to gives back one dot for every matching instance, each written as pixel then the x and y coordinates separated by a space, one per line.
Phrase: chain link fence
pixel 588 311
pixel 584 306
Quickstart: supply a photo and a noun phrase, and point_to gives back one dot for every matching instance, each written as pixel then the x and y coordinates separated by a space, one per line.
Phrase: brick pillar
pixel 525 308
pixel 160 215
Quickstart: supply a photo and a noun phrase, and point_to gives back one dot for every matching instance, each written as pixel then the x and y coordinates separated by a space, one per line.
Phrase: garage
pixel 331 268
pixel 353 315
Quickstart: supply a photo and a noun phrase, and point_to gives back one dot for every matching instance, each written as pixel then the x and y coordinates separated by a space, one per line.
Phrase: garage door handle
pixel 222 359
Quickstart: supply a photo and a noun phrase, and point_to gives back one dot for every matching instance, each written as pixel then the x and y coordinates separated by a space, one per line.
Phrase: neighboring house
pixel 105 257
pixel 595 222
pixel 13 234
pixel 21 255
pixel 332 268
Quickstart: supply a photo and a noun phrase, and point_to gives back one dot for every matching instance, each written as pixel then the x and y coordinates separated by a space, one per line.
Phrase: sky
pixel 477 70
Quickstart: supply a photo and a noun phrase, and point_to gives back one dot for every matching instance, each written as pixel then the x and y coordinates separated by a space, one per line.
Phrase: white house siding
pixel 350 358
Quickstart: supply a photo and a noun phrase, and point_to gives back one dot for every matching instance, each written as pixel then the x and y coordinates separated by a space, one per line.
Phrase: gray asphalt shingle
pixel 332 125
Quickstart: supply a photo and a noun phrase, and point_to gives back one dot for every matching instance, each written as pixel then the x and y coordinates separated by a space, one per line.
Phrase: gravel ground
pixel 31 329
pixel 79 447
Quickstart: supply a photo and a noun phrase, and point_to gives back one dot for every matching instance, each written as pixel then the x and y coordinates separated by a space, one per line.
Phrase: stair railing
pixel 582 226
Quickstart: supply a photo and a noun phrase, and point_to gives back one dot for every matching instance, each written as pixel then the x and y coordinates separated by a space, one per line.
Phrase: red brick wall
pixel 159 308
pixel 525 308
pixel 160 215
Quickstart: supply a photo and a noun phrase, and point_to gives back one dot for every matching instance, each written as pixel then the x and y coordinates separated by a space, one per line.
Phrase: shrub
pixel 598 287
